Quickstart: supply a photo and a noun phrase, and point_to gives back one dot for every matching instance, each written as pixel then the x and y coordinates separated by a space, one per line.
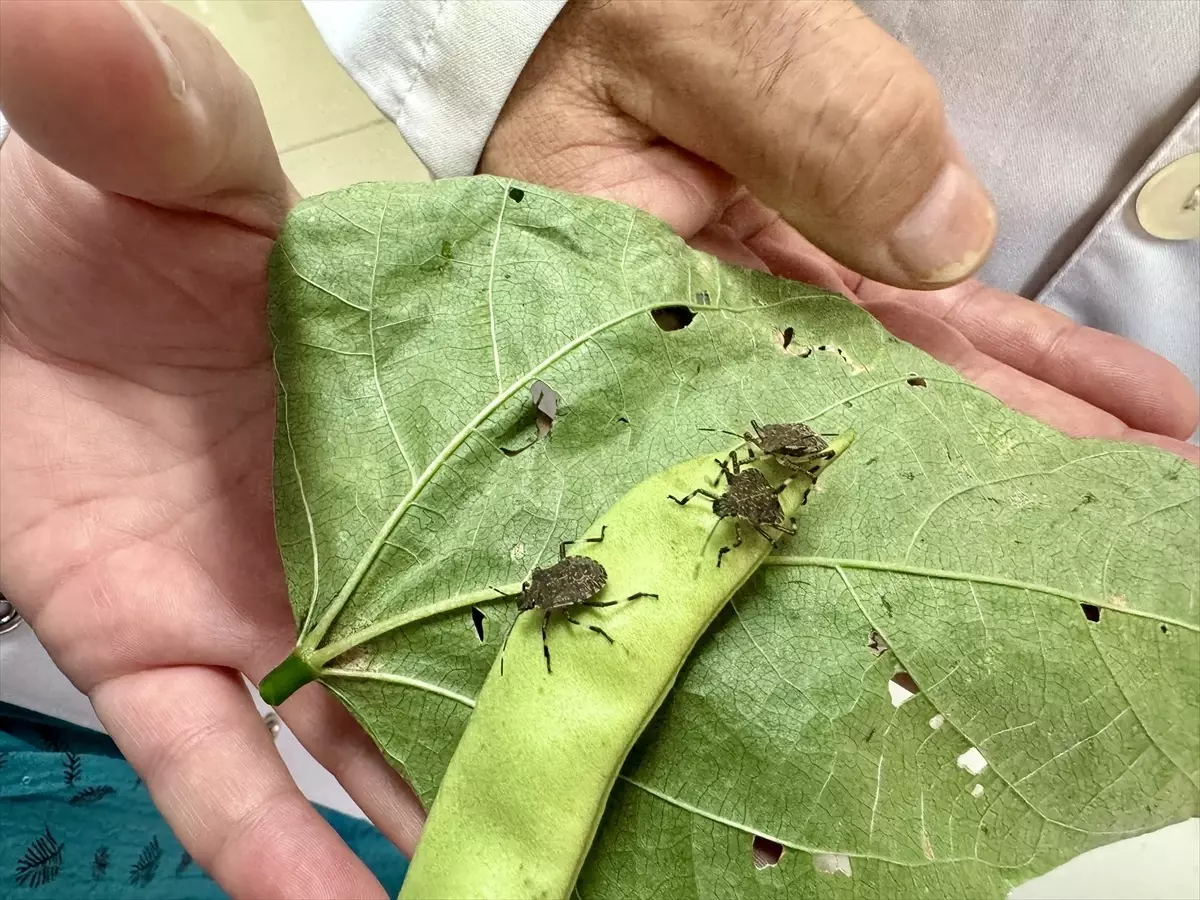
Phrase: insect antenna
pixel 740 437
pixel 504 646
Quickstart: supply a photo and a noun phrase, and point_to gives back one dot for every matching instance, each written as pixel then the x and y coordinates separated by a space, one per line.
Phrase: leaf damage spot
pixel 1119 601
pixel 937 721
pixel 832 864
pixel 477 618
pixel 545 403
pixel 902 688
pixel 1162 628
pixel 977 791
pixel 672 318
pixel 917 381
pixel 1090 612
pixel 516 195
pixel 972 760
pixel 702 298
pixel 517 551
pixel 877 643
pixel 767 852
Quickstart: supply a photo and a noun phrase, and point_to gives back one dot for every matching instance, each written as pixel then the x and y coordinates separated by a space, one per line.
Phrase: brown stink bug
pixel 749 498
pixel 793 445
pixel 572 582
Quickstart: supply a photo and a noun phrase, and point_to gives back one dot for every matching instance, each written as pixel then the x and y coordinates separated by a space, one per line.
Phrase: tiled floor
pixel 328 133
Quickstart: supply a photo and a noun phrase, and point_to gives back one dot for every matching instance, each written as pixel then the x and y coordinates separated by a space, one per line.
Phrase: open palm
pixel 141 197
pixel 138 408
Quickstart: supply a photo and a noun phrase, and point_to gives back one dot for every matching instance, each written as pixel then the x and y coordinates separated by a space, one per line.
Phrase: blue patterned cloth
pixel 76 822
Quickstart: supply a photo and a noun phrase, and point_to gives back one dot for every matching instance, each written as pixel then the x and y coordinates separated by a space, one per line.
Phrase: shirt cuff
pixel 440 69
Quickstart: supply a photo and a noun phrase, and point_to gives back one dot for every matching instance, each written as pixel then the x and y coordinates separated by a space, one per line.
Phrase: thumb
pixel 823 116
pixel 138 99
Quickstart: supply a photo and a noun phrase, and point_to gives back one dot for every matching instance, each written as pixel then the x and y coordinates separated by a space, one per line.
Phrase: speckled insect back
pixel 523 795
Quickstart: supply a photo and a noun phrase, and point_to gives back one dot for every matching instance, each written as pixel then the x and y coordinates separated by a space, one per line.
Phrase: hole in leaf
pixel 917 381
pixel 832 864
pixel 767 852
pixel 477 618
pixel 516 195
pixel 545 403
pixel 1162 628
pixel 788 334
pixel 902 687
pixel 1090 612
pixel 877 644
pixel 702 298
pixel 672 318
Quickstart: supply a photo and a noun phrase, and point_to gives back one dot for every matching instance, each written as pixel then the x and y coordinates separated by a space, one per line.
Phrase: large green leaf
pixel 408 322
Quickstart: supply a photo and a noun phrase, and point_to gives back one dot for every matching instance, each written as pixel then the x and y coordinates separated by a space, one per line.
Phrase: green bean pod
pixel 523 795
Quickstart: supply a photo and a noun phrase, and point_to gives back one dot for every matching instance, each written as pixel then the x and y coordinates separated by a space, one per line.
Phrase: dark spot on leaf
pixel 788 334
pixel 847 403
pixel 623 420
pixel 1090 612
pixel 447 250
pixel 516 195
pixel 906 681
pixel 1163 628
pixel 877 644
pixel 870 734
pixel 871 461
pixel 703 299
pixel 672 318
pixel 767 852
pixel 907 476
pixel 983 828
pixel 917 381
pixel 477 618
pixel 822 347
pixel 805 353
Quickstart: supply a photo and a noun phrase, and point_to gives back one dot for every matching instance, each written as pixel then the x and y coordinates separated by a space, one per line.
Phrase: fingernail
pixel 170 65
pixel 946 236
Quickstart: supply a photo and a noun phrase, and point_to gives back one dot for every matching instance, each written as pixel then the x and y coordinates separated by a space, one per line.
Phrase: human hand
pixel 744 125
pixel 142 193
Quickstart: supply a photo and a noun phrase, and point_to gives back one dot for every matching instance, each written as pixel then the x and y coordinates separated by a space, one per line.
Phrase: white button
pixel 1168 205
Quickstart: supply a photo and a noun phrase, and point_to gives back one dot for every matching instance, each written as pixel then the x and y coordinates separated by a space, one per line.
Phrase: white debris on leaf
pixel 972 760
pixel 977 791
pixel 899 693
pixel 517 552
pixel 832 864
pixel 937 721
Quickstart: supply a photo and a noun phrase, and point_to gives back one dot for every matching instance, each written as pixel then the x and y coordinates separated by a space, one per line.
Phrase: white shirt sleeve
pixel 440 69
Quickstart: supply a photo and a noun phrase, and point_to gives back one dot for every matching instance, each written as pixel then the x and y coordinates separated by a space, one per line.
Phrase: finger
pixel 1106 371
pixel 823 115
pixel 338 743
pixel 196 739
pixel 1134 384
pixel 1021 392
pixel 138 99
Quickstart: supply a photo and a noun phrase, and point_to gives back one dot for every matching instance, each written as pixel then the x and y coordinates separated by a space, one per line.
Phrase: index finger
pixel 193 734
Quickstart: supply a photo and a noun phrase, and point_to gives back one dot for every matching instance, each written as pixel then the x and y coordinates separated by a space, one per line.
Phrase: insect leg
pixel 757 527
pixel 562 548
pixel 600 631
pixel 597 603
pixel 701 491
pixel 737 533
pixel 640 594
pixel 546 646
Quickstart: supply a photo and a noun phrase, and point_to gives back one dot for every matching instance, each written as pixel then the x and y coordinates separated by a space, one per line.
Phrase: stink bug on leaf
pixel 572 582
